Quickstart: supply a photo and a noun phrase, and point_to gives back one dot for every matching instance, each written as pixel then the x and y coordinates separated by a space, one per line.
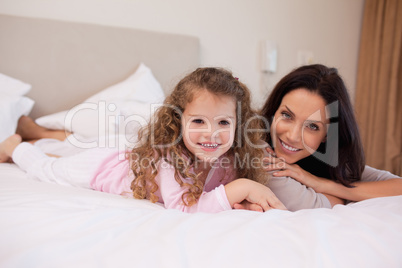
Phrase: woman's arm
pixel 374 183
pixel 334 200
pixel 296 196
pixel 362 190
pixel 293 206
pixel 292 193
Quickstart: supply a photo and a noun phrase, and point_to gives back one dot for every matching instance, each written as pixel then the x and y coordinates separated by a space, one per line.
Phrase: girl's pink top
pixel 115 176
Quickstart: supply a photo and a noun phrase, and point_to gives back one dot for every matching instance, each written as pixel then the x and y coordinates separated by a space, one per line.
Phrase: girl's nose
pixel 214 132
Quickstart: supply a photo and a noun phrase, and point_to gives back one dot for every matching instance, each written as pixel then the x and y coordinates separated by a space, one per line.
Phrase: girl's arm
pixel 218 199
pixel 253 192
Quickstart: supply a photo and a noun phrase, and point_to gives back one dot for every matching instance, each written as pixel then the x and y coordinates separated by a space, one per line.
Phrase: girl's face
pixel 299 125
pixel 208 125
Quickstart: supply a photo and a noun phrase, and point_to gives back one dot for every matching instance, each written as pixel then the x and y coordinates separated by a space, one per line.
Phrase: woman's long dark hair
pixel 341 157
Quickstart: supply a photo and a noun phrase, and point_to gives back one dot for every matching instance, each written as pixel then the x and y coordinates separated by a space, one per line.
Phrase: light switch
pixel 269 56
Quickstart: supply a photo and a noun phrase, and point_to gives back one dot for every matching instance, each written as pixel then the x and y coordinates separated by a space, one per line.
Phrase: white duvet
pixel 45 225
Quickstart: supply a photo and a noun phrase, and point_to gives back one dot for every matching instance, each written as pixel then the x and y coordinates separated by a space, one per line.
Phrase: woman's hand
pixel 280 168
pixel 296 172
pixel 241 190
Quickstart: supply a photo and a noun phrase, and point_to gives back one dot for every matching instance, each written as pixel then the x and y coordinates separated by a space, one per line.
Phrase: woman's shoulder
pixel 373 174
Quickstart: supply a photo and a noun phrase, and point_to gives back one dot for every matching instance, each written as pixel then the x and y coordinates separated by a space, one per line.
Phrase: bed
pixel 57 65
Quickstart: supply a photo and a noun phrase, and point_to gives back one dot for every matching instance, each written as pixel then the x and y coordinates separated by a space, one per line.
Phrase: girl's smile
pixel 209 146
pixel 208 125
pixel 299 125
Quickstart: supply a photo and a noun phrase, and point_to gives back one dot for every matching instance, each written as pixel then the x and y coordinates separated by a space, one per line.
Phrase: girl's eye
pixel 285 115
pixel 313 126
pixel 198 121
pixel 224 122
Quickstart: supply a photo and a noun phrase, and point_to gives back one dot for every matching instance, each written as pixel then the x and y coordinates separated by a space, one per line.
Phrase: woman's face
pixel 299 125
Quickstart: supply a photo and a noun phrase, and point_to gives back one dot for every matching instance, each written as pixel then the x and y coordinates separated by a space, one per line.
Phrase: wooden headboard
pixel 66 62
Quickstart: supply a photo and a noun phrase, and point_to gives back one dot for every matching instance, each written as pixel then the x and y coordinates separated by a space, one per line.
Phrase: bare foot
pixel 30 131
pixel 7 147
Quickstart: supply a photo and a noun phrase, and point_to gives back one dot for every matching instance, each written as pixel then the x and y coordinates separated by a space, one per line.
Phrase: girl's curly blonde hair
pixel 162 139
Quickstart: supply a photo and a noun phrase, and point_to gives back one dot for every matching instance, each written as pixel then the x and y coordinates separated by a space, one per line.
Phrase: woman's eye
pixel 313 127
pixel 285 115
pixel 224 122
pixel 198 121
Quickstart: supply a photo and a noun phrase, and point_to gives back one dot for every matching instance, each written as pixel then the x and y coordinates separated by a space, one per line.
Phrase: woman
pixel 317 144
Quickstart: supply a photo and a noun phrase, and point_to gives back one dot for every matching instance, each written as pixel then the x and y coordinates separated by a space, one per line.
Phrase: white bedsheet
pixel 46 225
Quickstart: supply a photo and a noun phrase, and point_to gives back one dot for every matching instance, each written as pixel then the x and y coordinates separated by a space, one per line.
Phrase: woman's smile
pixel 289 148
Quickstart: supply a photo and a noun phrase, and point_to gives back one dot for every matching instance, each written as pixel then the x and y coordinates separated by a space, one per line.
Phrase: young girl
pixel 186 157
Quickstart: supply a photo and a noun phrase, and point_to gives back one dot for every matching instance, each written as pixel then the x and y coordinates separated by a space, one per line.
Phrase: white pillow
pixel 12 86
pixel 101 114
pixel 141 86
pixel 11 109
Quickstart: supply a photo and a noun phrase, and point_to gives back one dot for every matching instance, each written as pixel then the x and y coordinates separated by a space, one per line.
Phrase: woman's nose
pixel 294 133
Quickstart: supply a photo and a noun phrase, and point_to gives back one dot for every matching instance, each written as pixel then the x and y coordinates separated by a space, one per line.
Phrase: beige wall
pixel 230 31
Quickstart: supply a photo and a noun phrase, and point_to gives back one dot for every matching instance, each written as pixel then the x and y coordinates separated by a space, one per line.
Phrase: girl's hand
pixel 248 206
pixel 241 190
